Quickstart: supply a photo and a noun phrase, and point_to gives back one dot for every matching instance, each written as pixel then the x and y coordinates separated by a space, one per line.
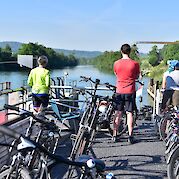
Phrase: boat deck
pixel 144 159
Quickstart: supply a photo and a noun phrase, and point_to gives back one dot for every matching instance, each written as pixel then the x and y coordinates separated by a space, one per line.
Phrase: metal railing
pixel 17 97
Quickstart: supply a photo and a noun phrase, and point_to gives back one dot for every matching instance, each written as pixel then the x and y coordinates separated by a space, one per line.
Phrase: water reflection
pixel 17 78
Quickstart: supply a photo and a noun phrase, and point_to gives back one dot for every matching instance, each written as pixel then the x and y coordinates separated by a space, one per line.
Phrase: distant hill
pixel 77 53
pixel 14 45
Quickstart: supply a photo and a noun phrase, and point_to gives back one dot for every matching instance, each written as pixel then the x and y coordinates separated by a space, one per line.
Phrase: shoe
pixel 114 138
pixel 131 140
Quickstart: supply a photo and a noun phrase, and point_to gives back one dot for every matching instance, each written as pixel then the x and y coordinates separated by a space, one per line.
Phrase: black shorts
pixel 125 102
pixel 167 98
pixel 39 100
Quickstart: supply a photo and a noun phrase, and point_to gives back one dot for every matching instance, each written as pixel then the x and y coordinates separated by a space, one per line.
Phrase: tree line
pixel 154 63
pixel 105 61
pixel 56 60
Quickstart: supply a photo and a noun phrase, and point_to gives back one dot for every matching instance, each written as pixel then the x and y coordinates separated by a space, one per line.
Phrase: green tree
pixel 153 56
pixel 6 53
pixel 134 53
pixel 56 60
pixel 7 49
pixel 170 52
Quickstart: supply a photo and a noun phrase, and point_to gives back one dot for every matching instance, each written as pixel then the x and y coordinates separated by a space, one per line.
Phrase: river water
pixel 17 78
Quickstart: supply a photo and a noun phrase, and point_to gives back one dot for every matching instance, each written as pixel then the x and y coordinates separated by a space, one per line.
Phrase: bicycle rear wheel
pixel 123 127
pixel 22 173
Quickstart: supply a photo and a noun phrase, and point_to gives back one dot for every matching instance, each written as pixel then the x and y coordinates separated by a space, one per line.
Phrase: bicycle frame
pixel 26 144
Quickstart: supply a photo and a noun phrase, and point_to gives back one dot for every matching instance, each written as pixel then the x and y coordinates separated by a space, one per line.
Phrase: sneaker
pixel 131 140
pixel 114 138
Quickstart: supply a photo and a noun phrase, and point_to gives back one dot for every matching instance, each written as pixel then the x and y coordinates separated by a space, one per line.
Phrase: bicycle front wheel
pixel 173 166
pixel 21 173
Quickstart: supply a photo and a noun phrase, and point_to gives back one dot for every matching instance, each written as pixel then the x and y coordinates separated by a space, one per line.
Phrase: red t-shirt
pixel 127 71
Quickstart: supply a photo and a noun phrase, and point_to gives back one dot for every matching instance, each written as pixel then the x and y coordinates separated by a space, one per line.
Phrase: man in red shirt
pixel 126 71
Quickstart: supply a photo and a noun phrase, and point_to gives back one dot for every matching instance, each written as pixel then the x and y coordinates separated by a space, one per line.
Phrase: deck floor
pixel 144 159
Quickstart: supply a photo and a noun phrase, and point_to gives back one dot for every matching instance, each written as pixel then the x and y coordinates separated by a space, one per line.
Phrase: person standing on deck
pixel 166 85
pixel 39 80
pixel 126 71
pixel 173 79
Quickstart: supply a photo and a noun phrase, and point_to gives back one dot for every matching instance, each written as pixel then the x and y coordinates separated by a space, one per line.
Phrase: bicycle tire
pixel 23 174
pixel 123 127
pixel 85 117
pixel 110 117
pixel 77 150
pixel 171 169
pixel 162 129
pixel 76 146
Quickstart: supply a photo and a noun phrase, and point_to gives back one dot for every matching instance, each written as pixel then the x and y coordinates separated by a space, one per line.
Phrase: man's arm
pixel 138 74
pixel 30 79
pixel 47 79
pixel 164 82
pixel 114 69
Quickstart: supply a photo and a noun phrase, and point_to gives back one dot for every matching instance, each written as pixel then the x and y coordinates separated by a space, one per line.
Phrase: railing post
pixel 6 102
pixel 154 103
pixel 157 99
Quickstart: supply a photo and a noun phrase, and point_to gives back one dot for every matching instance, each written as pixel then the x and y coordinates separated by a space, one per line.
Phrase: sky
pixel 92 25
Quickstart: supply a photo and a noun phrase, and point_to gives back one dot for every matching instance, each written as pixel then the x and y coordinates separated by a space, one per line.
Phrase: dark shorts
pixel 40 99
pixel 167 98
pixel 125 102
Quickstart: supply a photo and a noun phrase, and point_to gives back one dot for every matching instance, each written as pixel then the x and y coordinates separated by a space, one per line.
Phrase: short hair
pixel 42 60
pixel 126 49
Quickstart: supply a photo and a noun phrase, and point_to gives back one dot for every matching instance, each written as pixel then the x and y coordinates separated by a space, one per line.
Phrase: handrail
pixel 12 91
pixel 5 86
pixel 75 87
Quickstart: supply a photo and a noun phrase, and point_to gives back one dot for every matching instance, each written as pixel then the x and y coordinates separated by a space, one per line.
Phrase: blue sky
pixel 89 24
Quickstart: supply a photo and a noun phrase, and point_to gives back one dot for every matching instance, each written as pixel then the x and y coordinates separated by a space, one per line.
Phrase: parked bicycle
pixel 89 167
pixel 88 125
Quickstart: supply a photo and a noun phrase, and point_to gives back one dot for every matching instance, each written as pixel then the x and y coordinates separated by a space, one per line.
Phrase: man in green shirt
pixel 39 80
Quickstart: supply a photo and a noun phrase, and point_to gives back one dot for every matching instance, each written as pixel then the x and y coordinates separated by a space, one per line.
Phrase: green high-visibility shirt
pixel 39 80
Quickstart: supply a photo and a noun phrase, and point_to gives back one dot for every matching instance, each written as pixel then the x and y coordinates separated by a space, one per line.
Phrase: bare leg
pixel 36 110
pixel 41 111
pixel 130 123
pixel 117 120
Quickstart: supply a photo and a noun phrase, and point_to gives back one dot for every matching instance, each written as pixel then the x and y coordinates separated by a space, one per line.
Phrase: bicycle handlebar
pixel 111 87
pixel 141 83
pixel 84 78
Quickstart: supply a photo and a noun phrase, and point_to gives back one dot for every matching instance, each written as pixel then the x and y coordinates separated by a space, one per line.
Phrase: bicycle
pixel 88 125
pixel 48 134
pixel 172 147
pixel 90 168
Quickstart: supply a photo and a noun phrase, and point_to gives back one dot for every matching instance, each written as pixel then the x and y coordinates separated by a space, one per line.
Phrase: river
pixel 17 78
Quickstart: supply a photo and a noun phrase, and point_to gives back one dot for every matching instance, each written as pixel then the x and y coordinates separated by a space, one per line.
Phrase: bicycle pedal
pixel 73 137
